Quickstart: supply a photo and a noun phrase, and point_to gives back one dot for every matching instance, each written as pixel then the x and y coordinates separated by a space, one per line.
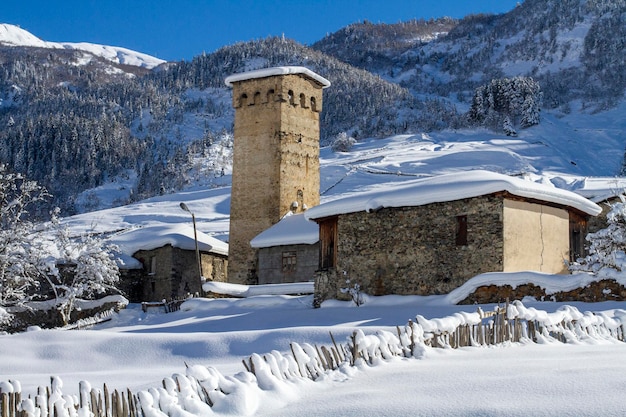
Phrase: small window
pixel 289 261
pixel 257 98
pixel 291 98
pixel 152 265
pixel 461 230
pixel 243 100
pixel 313 104
pixel 303 101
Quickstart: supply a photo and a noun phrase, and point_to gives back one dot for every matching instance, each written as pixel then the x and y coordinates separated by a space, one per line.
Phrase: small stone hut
pixel 288 251
pixel 431 235
pixel 167 265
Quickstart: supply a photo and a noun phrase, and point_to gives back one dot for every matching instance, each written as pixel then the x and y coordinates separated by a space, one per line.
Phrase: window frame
pixel 289 261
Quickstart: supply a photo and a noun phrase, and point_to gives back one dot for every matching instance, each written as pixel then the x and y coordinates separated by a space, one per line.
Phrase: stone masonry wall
pixel 603 290
pixel 413 250
pixel 176 272
pixel 156 284
pixel 214 267
pixel 185 277
pixel 271 264
pixel 275 160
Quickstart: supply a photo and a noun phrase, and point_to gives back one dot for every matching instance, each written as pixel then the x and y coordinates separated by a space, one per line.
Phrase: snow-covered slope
pixel 15 36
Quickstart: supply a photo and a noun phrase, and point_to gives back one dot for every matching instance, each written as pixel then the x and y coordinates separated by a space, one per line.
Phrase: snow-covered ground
pixel 137 350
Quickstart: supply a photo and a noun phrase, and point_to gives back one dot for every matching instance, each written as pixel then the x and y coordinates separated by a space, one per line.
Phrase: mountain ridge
pixel 76 128
pixel 15 36
pixel 580 42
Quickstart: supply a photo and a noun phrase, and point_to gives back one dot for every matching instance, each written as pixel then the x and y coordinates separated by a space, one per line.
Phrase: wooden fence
pixel 202 387
pixel 50 402
pixel 489 328
pixel 166 306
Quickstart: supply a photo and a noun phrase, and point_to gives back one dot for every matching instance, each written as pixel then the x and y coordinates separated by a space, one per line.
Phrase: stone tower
pixel 275 155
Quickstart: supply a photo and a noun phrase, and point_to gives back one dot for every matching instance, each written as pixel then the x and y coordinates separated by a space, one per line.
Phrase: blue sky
pixel 182 29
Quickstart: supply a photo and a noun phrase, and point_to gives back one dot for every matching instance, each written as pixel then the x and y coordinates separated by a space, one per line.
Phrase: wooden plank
pixel 322 359
pixel 343 358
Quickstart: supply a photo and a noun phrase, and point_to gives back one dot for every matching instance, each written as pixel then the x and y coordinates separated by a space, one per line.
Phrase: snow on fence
pixel 203 390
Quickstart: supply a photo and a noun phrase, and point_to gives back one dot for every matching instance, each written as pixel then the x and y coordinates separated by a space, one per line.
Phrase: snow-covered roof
pixel 269 72
pixel 451 187
pixel 293 229
pixel 178 235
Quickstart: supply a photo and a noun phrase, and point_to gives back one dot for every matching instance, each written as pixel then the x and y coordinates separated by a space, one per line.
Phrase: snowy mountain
pixel 573 48
pixel 82 125
pixel 12 35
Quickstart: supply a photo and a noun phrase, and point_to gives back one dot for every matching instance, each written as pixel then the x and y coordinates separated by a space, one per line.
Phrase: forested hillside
pixel 73 121
pixel 575 49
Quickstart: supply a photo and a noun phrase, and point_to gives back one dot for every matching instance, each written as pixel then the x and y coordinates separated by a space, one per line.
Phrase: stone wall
pixel 48 317
pixel 214 267
pixel 131 284
pixel 174 272
pixel 271 264
pixel 600 221
pixel 415 250
pixel 604 290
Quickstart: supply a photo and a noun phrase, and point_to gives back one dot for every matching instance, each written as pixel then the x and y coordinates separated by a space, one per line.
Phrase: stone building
pixel 275 156
pixel 164 264
pixel 429 236
pixel 170 272
pixel 288 251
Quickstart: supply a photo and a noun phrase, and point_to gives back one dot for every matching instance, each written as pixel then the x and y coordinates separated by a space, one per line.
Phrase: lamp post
pixel 195 237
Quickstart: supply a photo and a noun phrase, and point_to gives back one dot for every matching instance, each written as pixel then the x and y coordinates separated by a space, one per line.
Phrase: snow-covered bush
pixel 20 254
pixel 5 317
pixel 31 254
pixel 607 247
pixel 354 290
pixel 342 143
pixel 88 269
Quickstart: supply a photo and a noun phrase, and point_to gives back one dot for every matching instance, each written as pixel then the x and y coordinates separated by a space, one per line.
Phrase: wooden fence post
pixel 4 404
pixel 339 352
pixel 295 358
pixel 321 359
pixel 355 349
